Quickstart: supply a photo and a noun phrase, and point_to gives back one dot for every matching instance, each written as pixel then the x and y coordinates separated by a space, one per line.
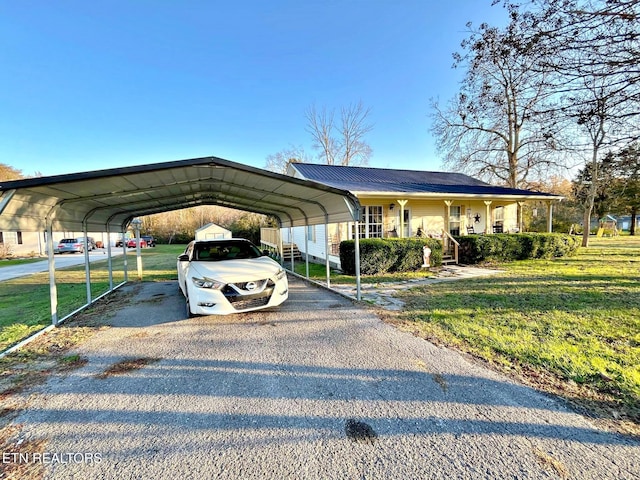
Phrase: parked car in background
pixel 151 242
pixel 133 242
pixel 71 245
pixel 229 276
pixel 91 243
pixel 119 242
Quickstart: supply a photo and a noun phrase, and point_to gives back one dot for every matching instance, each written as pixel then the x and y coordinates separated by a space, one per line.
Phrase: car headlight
pixel 207 283
pixel 280 274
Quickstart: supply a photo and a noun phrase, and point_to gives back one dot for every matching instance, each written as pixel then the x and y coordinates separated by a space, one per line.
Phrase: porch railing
pixel 450 246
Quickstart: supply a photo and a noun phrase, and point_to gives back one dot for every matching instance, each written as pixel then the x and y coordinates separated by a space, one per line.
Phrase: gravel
pixel 317 389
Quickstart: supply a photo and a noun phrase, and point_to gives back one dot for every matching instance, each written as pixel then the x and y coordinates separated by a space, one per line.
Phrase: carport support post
pixel 357 254
pixel 87 268
pixel 53 290
pixel 109 260
pixel 293 267
pixel 281 247
pixel 136 225
pixel 306 249
pixel 327 247
pixel 124 256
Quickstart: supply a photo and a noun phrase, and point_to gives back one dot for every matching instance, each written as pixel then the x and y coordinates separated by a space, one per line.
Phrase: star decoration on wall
pixel 477 218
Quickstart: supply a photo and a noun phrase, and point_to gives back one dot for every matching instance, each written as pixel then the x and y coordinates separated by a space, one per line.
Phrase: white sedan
pixel 229 276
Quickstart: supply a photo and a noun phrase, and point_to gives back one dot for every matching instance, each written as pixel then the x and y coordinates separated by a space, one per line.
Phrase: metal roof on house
pixel 362 180
pixel 110 199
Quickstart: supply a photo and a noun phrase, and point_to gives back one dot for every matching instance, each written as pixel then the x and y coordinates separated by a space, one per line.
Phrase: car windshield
pixel 215 252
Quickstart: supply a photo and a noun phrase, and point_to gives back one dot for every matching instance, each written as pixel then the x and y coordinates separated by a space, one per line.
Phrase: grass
pixel 319 274
pixel 569 325
pixel 9 262
pixel 25 305
pixel 573 323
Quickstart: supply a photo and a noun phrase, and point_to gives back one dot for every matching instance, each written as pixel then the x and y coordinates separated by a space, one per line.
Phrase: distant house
pixel 211 231
pixel 406 203
pixel 27 244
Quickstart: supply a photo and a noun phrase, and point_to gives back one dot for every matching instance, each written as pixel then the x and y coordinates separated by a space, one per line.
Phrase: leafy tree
pixel 626 188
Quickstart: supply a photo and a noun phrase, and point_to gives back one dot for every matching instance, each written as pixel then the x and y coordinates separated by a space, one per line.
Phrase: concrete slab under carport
pixel 269 394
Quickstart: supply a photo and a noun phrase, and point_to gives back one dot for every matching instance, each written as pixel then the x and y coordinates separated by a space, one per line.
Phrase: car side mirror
pixel 183 258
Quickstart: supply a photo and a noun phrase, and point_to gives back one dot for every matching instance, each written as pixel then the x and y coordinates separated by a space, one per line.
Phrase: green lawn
pixel 25 304
pixel 578 318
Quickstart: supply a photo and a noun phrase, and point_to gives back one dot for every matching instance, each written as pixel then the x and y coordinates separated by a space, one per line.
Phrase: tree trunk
pixel 632 231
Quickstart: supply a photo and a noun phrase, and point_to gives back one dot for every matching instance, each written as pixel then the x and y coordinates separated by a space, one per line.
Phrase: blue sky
pixel 93 85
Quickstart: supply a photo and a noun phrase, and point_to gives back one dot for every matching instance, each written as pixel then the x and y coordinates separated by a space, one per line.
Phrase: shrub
pixel 383 255
pixel 507 247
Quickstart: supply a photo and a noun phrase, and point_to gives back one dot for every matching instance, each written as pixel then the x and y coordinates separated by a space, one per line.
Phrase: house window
pixel 11 238
pixel 371 224
pixel 454 219
pixel 311 233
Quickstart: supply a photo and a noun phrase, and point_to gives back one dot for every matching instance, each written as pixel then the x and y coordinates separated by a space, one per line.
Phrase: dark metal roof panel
pixel 364 179
pixel 111 198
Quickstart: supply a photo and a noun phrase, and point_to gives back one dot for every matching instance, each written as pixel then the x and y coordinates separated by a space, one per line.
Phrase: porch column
pixel 488 223
pixel 447 216
pixel 520 215
pixel 549 217
pixel 402 204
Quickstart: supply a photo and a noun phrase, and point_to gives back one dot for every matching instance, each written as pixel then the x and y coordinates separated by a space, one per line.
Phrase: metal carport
pixel 108 200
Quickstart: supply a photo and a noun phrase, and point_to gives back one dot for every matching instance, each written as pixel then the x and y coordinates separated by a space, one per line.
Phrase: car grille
pixel 252 303
pixel 245 301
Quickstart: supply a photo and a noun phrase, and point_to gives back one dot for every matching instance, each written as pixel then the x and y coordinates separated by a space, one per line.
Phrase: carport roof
pixel 112 198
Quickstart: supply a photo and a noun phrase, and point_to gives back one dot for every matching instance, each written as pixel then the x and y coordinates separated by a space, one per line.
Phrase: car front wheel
pixel 188 307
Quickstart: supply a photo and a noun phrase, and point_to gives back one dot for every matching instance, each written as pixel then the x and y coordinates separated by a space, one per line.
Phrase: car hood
pixel 232 271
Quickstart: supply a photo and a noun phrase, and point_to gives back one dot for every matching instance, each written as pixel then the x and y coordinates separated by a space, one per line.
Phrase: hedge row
pixel 382 255
pixel 507 247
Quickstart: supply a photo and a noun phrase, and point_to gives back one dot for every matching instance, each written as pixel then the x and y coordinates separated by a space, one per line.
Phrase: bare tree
pixel 593 49
pixel 279 162
pixel 498 127
pixel 343 143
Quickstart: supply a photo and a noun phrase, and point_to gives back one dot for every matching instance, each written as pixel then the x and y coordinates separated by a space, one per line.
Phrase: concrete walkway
pixel 382 294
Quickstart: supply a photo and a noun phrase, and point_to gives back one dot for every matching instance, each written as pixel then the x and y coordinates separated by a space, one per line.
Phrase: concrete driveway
pixel 318 389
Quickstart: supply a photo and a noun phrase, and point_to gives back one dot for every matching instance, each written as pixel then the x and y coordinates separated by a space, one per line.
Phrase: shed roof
pixel 363 180
pixel 110 199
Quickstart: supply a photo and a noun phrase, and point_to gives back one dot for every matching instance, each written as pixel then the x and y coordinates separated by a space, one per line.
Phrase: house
pixel 408 203
pixel 211 231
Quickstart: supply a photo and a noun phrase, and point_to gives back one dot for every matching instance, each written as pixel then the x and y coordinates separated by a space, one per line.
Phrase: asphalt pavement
pixel 319 388
pixel 61 260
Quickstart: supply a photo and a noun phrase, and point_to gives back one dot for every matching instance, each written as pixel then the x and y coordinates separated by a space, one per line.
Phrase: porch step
pixel 448 260
pixel 287 247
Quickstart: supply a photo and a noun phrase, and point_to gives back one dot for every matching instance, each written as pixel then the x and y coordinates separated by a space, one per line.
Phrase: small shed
pixel 211 231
